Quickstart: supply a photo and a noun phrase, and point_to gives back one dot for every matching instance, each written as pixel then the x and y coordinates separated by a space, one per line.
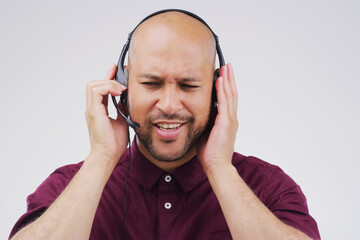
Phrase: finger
pixel 105 102
pixel 97 108
pixel 112 85
pixel 226 86
pixel 110 75
pixel 89 90
pixel 97 91
pixel 230 89
pixel 232 81
pixel 233 89
pixel 222 103
pixel 227 102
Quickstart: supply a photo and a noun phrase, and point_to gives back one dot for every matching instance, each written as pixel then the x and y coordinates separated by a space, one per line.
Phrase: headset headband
pixel 120 77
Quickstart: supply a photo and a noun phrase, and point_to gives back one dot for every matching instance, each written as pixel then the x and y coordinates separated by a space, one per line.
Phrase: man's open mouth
pixel 168 126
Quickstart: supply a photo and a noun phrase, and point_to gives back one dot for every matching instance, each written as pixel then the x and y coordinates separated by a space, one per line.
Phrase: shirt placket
pixel 167 205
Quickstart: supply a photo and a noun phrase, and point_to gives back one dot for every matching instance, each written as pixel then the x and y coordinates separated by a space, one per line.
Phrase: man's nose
pixel 169 102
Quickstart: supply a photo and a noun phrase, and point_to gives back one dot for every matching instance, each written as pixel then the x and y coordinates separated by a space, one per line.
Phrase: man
pixel 185 181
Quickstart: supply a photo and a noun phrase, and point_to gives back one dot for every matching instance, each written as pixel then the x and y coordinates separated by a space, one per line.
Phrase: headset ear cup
pixel 123 97
pixel 214 97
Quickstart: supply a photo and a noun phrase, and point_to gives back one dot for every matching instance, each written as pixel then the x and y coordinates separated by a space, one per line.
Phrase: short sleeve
pixel 278 192
pixel 286 201
pixel 45 195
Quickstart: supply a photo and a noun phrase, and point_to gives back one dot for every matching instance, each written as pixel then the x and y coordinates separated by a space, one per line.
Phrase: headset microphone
pixel 129 122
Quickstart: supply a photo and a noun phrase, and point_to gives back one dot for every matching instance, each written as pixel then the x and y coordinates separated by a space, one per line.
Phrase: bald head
pixel 175 32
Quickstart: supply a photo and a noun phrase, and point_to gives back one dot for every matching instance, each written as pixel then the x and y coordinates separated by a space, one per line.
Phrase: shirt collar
pixel 189 175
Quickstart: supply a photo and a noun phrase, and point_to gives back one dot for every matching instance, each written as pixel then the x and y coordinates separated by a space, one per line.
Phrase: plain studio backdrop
pixel 297 71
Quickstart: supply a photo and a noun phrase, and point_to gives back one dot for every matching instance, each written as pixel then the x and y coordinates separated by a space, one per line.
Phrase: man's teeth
pixel 168 126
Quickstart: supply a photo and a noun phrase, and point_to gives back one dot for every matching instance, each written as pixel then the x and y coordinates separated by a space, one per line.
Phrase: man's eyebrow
pixel 156 77
pixel 150 76
pixel 188 79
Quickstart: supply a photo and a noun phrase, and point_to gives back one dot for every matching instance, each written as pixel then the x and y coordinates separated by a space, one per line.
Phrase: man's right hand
pixel 108 137
pixel 71 215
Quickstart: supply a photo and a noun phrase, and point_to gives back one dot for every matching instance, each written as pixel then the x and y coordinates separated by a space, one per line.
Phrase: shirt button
pixel 167 205
pixel 167 178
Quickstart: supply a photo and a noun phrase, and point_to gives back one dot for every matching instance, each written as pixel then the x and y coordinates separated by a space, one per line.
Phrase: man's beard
pixel 195 131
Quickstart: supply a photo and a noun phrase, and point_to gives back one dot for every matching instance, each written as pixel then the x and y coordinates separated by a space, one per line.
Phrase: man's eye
pixel 188 86
pixel 151 84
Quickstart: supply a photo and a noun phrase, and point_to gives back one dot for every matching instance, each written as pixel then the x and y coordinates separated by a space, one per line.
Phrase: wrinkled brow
pixel 156 77
pixel 150 76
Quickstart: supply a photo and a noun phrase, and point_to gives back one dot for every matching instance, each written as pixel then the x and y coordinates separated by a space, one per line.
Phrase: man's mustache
pixel 174 116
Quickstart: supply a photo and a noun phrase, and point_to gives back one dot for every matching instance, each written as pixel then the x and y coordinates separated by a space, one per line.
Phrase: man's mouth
pixel 169 131
pixel 168 126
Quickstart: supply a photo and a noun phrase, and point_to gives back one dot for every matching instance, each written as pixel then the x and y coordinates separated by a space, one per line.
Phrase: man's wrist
pixel 100 162
pixel 220 171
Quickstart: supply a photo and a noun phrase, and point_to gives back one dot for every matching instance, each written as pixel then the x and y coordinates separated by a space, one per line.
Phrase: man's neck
pixel 166 166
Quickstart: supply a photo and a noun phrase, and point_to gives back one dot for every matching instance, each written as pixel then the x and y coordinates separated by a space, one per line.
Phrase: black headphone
pixel 122 74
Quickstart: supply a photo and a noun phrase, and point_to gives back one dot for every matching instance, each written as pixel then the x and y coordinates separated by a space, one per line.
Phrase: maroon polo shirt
pixel 177 205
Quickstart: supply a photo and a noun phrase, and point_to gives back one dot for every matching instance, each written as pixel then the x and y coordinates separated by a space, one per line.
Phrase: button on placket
pixel 167 178
pixel 167 205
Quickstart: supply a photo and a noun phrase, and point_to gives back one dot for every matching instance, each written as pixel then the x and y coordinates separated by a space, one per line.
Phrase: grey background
pixel 297 71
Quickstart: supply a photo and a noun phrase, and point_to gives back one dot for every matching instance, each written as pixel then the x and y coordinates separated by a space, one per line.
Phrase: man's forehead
pixel 172 24
pixel 177 21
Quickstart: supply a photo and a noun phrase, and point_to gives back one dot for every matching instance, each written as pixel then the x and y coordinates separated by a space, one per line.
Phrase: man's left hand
pixel 217 147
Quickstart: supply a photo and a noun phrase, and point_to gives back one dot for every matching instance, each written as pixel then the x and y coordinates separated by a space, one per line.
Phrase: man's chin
pixel 168 153
pixel 167 148
pixel 168 141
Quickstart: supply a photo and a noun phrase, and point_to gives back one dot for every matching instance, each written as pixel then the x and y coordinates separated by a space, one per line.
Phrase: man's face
pixel 169 92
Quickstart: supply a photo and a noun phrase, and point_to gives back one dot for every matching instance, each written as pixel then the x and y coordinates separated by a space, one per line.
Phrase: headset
pixel 122 75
